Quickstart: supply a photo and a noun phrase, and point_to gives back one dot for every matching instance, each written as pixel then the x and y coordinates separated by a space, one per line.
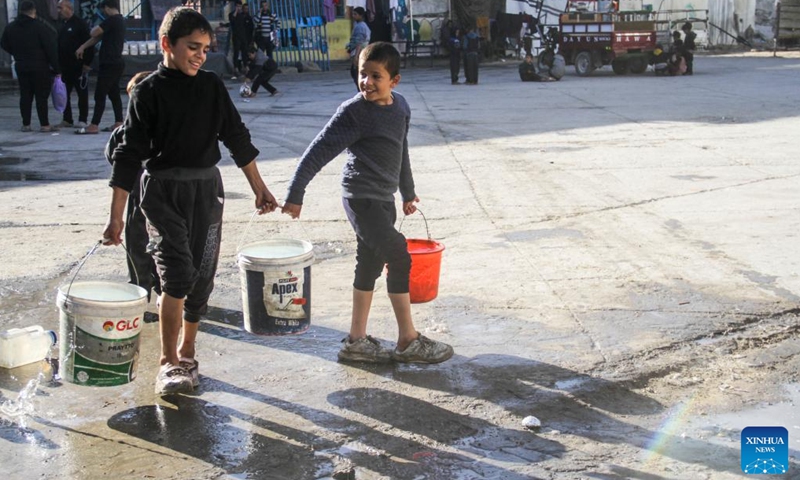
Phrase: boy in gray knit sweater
pixel 372 128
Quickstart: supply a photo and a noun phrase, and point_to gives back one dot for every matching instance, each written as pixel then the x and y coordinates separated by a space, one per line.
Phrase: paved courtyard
pixel 621 263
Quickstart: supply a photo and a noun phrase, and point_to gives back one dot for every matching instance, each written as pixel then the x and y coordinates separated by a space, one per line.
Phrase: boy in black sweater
pixel 373 128
pixel 176 117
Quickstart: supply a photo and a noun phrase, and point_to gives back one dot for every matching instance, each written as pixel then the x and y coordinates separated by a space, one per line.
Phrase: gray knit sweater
pixel 375 139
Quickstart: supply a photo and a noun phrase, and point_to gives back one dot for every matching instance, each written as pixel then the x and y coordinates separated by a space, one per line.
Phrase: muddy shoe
pixel 192 366
pixel 173 379
pixel 424 350
pixel 367 350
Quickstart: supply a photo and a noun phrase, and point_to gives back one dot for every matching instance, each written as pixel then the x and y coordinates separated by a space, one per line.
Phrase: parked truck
pixel 589 38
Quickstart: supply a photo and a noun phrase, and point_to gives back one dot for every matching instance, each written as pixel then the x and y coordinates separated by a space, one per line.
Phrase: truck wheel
pixel 546 61
pixel 583 64
pixel 637 64
pixel 619 66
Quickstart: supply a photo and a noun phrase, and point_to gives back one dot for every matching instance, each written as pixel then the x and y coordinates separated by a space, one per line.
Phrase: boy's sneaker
pixel 424 350
pixel 366 350
pixel 173 379
pixel 193 367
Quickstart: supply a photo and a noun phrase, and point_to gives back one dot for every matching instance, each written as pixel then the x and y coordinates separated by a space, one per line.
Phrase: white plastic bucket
pixel 276 286
pixel 99 327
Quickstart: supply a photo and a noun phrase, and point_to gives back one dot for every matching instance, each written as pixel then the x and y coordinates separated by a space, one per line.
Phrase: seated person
pixel 527 71
pixel 676 64
pixel 660 60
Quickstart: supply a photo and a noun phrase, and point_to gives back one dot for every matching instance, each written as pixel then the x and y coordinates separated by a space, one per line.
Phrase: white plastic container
pixel 21 346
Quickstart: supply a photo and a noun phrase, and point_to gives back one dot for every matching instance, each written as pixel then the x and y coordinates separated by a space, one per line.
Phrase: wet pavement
pixel 620 263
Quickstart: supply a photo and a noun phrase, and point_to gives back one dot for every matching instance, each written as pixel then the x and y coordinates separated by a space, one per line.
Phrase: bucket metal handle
pixel 89 254
pixel 250 223
pixel 427 230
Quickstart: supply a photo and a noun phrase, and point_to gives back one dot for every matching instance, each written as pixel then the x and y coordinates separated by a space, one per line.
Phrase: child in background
pixel 454 44
pixel 141 267
pixel 261 69
pixel 176 118
pixel 372 128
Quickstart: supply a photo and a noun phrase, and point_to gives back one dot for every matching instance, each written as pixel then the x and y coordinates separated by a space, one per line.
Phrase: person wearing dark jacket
pixel 111 65
pixel 528 73
pixel 471 45
pixel 72 33
pixel 454 46
pixel 242 31
pixel 688 46
pixel 35 52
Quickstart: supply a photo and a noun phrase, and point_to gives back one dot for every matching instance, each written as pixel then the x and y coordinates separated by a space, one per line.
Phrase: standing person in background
pixel 358 40
pixel 112 34
pixel 72 33
pixel 688 46
pixel 454 46
pixel 471 45
pixel 241 35
pixel 33 46
pixel 267 26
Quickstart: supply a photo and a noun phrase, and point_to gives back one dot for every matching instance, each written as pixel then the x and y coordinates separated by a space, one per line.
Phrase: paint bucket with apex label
pixel 276 286
pixel 99 327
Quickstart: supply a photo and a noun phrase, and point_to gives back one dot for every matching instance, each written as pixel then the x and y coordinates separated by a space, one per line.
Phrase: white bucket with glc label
pixel 99 324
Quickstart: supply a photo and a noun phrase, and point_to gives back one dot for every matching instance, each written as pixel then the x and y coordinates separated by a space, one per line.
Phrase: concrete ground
pixel 621 263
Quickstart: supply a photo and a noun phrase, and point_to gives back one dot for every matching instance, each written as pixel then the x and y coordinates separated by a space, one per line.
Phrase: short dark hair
pixel 383 53
pixel 109 3
pixel 686 26
pixel 27 6
pixel 360 11
pixel 136 80
pixel 180 22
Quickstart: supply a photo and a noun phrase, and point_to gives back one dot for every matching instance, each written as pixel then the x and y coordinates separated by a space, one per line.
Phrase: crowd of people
pixel 40 54
pixel 679 58
pixel 168 181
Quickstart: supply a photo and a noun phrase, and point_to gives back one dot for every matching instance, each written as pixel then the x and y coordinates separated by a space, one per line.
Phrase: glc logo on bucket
pixel 121 325
pixel 765 450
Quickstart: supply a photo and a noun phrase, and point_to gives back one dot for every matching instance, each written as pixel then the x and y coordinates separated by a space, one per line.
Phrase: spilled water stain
pixel 9 172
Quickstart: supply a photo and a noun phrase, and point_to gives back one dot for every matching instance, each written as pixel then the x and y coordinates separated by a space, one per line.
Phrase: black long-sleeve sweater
pixel 72 33
pixel 176 120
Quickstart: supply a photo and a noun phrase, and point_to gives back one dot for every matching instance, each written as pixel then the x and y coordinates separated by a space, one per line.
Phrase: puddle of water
pixel 570 384
pixel 23 404
pixel 725 429
pixel 12 175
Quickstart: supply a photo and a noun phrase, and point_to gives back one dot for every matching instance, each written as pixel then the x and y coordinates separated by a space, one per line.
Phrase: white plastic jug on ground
pixel 21 346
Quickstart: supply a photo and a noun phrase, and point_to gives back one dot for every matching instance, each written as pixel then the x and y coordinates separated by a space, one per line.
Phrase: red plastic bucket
pixel 426 263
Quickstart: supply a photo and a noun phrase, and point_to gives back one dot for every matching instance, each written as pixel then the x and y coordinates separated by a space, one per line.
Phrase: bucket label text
pixel 283 294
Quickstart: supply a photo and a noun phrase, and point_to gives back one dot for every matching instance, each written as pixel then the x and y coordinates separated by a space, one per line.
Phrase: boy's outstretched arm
pixel 112 234
pixel 265 201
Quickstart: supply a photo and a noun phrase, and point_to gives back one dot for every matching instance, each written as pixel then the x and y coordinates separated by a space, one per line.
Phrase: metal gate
pixel 303 34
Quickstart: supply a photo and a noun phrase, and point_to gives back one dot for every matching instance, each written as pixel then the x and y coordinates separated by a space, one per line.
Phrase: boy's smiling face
pixel 376 83
pixel 188 54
